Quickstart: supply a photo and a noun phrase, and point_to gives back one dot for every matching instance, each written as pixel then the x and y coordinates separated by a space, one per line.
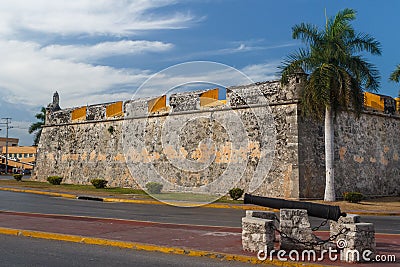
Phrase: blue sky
pixel 100 51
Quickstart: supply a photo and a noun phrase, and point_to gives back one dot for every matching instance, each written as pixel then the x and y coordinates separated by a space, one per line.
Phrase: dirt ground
pixel 382 204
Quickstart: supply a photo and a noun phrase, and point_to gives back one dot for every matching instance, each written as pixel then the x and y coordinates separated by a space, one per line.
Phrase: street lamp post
pixel 8 121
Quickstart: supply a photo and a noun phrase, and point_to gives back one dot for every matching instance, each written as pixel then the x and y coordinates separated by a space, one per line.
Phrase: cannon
pixel 313 209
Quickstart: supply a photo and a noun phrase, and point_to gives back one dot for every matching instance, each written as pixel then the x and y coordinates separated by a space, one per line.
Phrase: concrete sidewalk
pixel 223 243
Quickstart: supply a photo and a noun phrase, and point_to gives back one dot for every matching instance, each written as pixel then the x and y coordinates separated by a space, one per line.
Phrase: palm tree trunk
pixel 329 156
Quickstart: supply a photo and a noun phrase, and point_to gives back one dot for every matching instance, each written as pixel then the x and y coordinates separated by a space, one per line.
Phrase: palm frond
pixel 365 42
pixel 307 33
pixel 395 75
pixel 364 72
pixel 293 63
pixel 36 127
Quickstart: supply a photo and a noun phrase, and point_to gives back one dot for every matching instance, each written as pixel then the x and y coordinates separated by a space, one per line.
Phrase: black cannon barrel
pixel 313 209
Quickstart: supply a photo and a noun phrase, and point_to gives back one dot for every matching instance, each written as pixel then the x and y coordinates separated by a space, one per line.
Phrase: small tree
pixel 37 126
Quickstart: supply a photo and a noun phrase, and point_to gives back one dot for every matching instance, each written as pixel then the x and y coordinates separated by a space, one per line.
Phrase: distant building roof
pixel 11 140
pixel 20 149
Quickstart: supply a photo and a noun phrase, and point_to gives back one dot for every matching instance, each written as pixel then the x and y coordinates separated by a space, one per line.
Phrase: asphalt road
pixel 25 251
pixel 23 202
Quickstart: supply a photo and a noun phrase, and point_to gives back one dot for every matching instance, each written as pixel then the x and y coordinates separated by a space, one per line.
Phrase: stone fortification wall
pixel 196 140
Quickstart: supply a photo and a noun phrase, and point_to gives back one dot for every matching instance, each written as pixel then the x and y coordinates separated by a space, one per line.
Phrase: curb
pixel 150 247
pixel 188 204
pixel 38 192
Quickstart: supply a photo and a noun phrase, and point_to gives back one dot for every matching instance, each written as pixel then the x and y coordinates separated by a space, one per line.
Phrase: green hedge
pixel 154 188
pixel 55 180
pixel 353 197
pixel 99 183
pixel 18 177
pixel 236 193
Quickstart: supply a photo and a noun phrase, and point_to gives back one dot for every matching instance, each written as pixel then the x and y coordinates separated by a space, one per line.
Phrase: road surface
pixel 25 251
pixel 23 202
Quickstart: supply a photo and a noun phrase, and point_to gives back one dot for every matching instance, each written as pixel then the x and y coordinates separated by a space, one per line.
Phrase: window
pixel 20 155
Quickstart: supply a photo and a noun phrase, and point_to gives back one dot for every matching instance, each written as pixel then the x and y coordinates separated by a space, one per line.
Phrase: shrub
pixel 56 180
pixel 99 183
pixel 154 187
pixel 236 193
pixel 353 197
pixel 18 177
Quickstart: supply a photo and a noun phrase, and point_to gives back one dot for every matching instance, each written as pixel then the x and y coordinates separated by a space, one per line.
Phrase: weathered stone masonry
pixel 85 143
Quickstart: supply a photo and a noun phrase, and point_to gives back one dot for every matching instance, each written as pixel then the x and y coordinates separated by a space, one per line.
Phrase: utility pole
pixel 8 121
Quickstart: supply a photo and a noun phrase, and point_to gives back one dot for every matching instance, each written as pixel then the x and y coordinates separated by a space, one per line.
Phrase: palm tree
pixel 37 126
pixel 337 73
pixel 395 76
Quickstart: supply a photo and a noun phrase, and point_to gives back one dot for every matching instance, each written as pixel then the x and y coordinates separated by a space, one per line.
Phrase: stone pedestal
pixel 257 233
pixel 295 224
pixel 262 214
pixel 336 227
pixel 269 215
pixel 359 243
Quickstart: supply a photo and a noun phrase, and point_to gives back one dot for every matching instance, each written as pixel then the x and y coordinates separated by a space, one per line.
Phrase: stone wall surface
pixel 193 146
pixel 367 153
pixel 81 152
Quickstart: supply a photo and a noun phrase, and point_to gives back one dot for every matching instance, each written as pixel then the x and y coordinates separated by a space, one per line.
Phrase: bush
pixel 56 180
pixel 353 197
pixel 236 193
pixel 154 187
pixel 99 183
pixel 18 177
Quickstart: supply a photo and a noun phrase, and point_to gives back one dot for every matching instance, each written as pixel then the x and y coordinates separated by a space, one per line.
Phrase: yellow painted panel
pixel 397 103
pixel 157 104
pixel 79 114
pixel 209 97
pixel 373 101
pixel 114 110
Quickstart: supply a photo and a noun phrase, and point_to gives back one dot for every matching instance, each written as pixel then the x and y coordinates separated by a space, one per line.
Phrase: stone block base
pixel 358 243
pixel 257 233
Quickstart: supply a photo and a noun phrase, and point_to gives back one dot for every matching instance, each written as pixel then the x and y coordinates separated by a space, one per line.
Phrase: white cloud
pixel 29 76
pixel 206 74
pixel 98 17
pixel 262 72
pixel 103 50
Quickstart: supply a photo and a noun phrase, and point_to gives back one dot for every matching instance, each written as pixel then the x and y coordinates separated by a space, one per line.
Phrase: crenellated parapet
pixel 92 113
pixel 270 92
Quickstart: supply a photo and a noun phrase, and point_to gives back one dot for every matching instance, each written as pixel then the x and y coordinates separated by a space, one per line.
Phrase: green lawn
pixel 116 191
